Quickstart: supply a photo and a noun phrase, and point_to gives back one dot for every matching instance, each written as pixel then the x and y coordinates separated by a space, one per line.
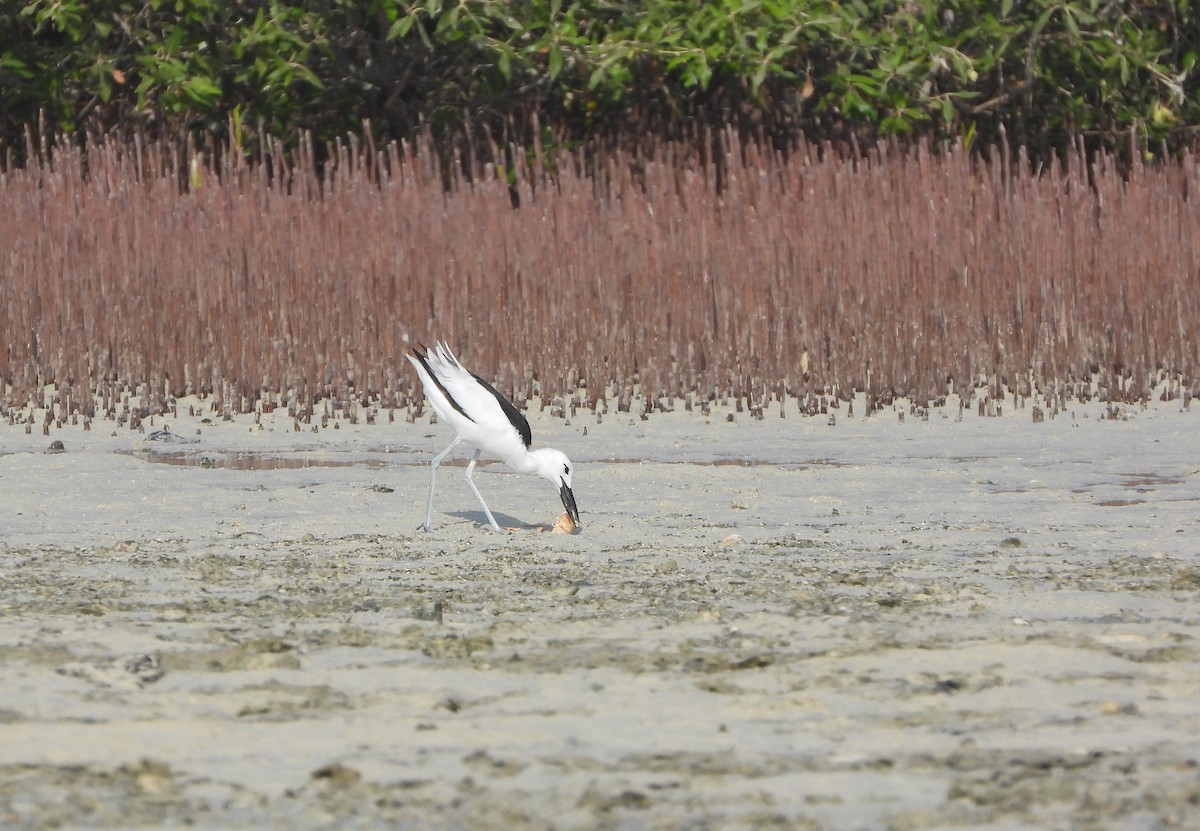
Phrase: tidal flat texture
pixel 778 623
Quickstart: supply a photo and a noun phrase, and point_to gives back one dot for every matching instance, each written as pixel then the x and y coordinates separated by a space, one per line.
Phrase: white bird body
pixel 484 419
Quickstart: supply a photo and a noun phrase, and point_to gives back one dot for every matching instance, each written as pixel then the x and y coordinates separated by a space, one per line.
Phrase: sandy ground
pixel 779 623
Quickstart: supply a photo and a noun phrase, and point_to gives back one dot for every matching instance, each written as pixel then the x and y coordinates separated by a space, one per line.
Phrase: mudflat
pixel 788 622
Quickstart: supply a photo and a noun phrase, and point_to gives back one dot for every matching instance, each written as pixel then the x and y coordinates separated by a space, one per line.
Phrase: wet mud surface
pixel 933 641
pixel 360 681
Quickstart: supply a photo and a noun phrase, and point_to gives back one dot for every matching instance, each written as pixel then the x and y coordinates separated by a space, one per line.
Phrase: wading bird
pixel 486 420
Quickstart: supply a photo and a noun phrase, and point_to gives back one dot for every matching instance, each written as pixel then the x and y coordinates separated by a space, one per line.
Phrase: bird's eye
pixel 567 469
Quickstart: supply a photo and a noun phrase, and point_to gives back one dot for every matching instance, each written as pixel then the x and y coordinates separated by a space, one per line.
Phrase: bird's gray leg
pixel 433 466
pixel 478 495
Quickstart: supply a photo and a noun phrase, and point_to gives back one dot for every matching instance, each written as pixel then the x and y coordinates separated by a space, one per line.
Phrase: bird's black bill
pixel 568 499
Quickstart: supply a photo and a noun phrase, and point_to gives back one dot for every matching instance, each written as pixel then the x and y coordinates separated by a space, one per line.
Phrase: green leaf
pixel 865 82
pixel 760 75
pixel 202 86
pixel 556 61
pixel 1043 19
pixel 1071 24
pixel 306 74
pixel 449 20
pixel 15 67
pixel 400 28
pixel 425 39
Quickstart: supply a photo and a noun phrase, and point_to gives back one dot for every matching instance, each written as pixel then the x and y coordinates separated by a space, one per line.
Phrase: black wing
pixel 514 415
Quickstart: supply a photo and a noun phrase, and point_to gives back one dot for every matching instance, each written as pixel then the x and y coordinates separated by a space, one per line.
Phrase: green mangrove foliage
pixel 1040 71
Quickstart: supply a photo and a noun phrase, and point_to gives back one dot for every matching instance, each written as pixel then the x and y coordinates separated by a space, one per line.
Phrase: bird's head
pixel 554 466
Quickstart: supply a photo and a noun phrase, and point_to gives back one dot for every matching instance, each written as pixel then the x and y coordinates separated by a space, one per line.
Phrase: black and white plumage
pixel 486 420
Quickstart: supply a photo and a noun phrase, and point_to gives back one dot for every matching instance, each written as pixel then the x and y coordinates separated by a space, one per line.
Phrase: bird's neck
pixel 524 462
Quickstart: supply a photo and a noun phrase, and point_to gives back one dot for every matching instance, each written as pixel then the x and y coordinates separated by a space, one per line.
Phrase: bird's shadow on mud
pixel 480 518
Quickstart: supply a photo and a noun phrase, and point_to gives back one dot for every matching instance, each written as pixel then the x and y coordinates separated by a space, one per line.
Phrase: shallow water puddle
pixel 250 460
pixel 1148 481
